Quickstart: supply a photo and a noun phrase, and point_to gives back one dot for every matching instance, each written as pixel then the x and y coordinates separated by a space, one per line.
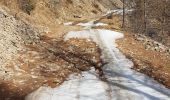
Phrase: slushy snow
pixel 122 83
pixel 91 24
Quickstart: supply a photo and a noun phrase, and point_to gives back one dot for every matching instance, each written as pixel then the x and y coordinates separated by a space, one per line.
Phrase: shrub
pixel 27 6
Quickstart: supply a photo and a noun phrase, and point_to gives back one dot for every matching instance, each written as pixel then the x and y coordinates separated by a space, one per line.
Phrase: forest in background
pixel 149 17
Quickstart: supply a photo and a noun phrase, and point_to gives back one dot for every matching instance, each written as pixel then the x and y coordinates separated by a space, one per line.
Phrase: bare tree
pixel 123 23
pixel 145 16
pixel 163 15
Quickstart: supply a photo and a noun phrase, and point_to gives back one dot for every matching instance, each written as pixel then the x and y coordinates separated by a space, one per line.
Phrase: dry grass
pixel 152 63
pixel 47 63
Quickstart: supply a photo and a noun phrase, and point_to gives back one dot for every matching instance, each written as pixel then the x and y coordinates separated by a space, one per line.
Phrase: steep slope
pixel 50 14
pixel 64 9
pixel 32 50
pixel 14 34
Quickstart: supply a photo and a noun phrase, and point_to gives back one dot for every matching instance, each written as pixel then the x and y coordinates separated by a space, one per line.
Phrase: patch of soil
pixel 47 63
pixel 152 63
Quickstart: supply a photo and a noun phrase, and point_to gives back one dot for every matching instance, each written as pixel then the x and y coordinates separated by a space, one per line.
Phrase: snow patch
pixel 122 83
pixel 87 25
pixel 118 12
pixel 84 87
pixel 91 24
pixel 68 23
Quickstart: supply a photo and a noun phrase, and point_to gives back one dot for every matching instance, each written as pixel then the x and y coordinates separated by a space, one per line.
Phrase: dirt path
pixel 122 83
pixel 125 83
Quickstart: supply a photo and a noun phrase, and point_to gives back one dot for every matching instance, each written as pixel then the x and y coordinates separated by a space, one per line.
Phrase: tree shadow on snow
pixel 146 83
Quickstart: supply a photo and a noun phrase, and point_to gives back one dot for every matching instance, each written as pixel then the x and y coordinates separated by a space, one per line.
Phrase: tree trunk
pixel 145 17
pixel 163 15
pixel 123 23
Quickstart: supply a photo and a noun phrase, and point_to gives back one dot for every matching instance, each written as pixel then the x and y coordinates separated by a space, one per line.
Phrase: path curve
pixel 122 83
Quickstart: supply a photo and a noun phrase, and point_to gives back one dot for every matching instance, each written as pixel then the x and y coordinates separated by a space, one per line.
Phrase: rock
pixel 71 47
pixel 90 50
pixel 157 49
pixel 168 50
pixel 149 43
pixel 147 47
pixel 162 48
pixel 140 39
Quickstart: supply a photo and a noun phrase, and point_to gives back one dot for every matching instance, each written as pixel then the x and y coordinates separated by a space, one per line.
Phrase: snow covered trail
pixel 125 83
pixel 84 87
pixel 122 83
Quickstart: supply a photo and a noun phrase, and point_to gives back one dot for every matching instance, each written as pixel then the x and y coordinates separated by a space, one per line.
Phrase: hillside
pixel 46 45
